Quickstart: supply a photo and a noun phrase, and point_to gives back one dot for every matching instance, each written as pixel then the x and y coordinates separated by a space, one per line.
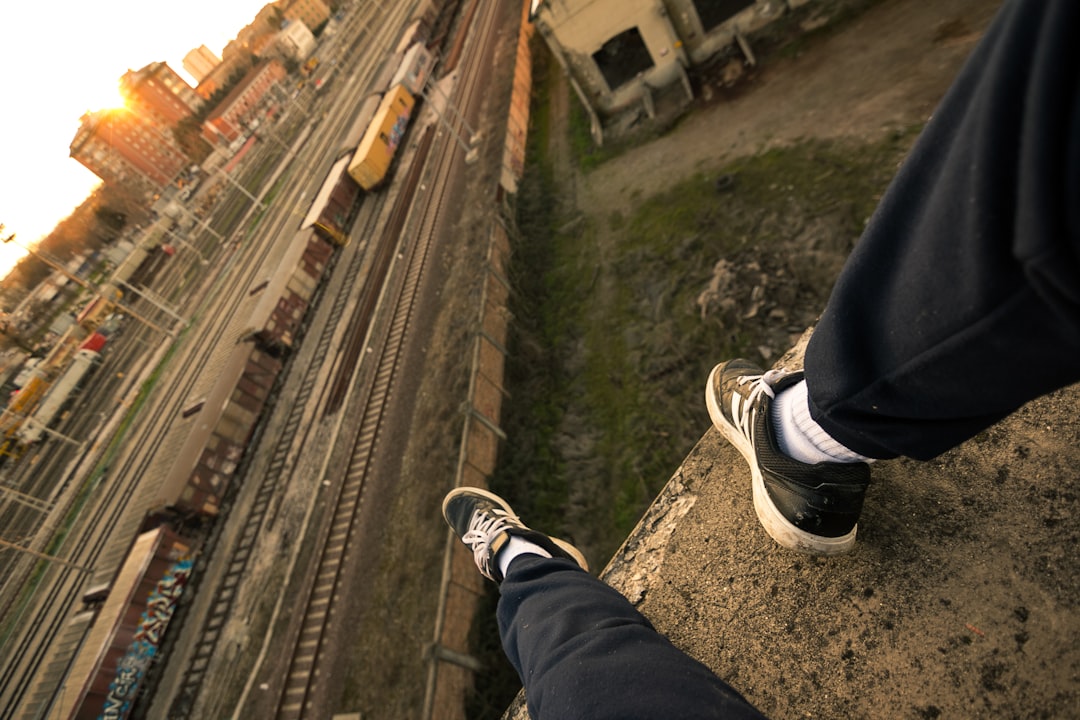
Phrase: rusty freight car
pixel 125 638
pixel 332 212
pixel 220 424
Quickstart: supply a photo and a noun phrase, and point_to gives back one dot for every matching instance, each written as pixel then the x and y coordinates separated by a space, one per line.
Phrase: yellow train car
pixel 371 163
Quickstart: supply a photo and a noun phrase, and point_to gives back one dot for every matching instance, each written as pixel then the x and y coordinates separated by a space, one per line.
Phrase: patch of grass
pixel 588 154
pixel 610 346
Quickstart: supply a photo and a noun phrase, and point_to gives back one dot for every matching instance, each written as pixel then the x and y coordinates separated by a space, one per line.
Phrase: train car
pixel 85 360
pixel 125 637
pixel 427 13
pixel 218 431
pixel 360 124
pixel 414 32
pixel 100 307
pixel 416 65
pixel 21 403
pixel 150 267
pixel 278 318
pixel 131 263
pixel 36 385
pixel 371 165
pixel 331 213
pixel 221 424
pixel 381 81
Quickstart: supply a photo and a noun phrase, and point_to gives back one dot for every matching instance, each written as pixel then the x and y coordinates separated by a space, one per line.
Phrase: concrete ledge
pixel 959 600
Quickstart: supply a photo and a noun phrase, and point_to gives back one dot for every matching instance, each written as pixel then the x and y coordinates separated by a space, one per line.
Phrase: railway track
pixel 298 686
pixel 38 622
pixel 260 511
pixel 300 689
pixel 48 616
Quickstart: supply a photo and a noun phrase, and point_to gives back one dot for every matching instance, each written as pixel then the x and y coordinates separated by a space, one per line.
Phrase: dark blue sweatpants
pixel 583 651
pixel 961 301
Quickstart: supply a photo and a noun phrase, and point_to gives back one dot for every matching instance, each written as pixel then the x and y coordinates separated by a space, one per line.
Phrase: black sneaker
pixel 808 508
pixel 485 522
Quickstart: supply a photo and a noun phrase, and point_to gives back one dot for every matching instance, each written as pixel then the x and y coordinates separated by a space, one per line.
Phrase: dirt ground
pixel 736 272
pixel 882 71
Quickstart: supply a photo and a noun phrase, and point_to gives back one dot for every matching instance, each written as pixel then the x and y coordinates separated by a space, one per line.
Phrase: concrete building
pixel 619 52
pixel 158 92
pixel 200 62
pixel 235 113
pixel 295 41
pixel 312 13
pixel 125 148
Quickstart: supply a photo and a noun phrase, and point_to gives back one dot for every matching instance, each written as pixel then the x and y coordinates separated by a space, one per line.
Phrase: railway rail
pixel 299 689
pixel 298 686
pixel 49 615
pixel 96 546
pixel 36 623
pixel 261 509
pixel 261 512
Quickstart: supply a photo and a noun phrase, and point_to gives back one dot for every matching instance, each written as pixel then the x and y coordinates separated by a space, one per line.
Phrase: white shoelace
pixel 742 408
pixel 483 528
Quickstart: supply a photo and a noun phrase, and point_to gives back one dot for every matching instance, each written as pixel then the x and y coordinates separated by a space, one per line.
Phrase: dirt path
pixel 834 89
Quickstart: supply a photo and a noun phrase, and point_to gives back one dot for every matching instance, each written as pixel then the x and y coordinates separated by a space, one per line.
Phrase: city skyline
pixel 54 73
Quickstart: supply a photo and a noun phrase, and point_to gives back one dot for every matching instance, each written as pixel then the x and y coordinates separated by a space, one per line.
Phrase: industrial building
pixel 618 53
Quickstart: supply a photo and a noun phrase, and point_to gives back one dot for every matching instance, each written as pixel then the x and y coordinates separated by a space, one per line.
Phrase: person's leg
pixel 580 648
pixel 961 301
pixel 583 651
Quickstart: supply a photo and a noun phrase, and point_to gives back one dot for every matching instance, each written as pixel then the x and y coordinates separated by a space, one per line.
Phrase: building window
pixel 622 57
pixel 715 12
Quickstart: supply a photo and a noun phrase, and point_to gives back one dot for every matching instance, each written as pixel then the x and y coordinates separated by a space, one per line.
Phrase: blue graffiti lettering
pixel 160 605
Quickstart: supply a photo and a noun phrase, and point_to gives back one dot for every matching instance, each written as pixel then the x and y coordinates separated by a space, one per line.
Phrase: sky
pixel 63 58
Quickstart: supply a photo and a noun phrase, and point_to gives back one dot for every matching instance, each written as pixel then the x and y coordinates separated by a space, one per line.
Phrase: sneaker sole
pixel 567 547
pixel 779 528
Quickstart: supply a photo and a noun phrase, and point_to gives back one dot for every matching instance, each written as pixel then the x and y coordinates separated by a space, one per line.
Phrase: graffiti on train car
pixel 397 132
pixel 160 606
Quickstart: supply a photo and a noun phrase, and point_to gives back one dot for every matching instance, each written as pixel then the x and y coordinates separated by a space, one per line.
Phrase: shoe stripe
pixel 742 414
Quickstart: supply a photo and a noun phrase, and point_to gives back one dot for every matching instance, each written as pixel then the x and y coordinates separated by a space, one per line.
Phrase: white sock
pixel 799 436
pixel 517 546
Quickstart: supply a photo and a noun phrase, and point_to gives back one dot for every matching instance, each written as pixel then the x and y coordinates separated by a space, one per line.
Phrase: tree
pixel 188 134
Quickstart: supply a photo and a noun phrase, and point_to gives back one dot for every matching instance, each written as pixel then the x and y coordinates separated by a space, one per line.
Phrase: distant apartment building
pixel 200 62
pixel 241 53
pixel 124 148
pixel 233 115
pixel 254 37
pixel 158 92
pixel 312 13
